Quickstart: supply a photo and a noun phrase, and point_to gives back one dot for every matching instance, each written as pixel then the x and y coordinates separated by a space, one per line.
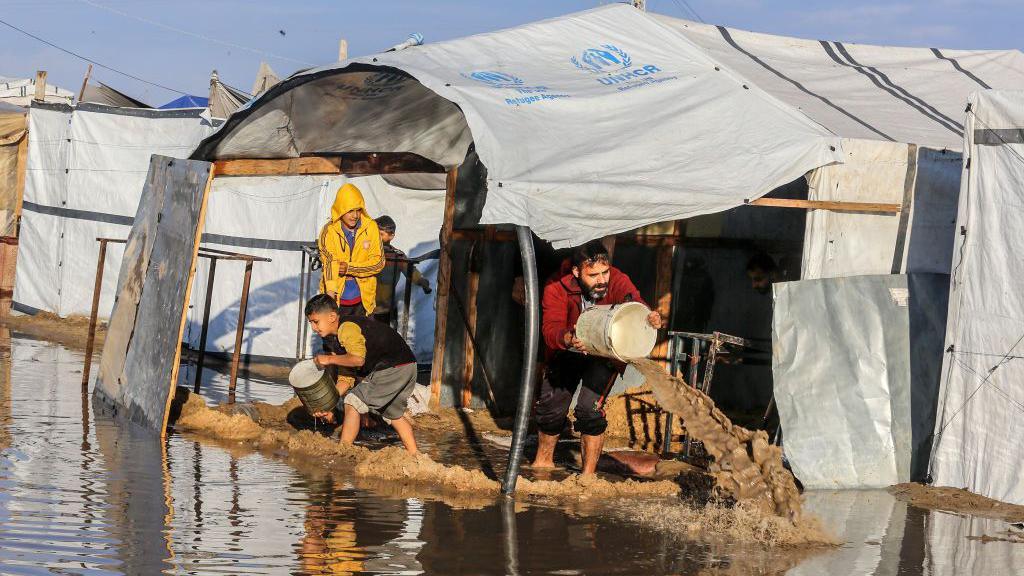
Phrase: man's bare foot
pixel 541 465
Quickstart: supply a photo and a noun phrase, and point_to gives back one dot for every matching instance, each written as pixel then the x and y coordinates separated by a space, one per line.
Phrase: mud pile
pixel 745 464
pixel 393 463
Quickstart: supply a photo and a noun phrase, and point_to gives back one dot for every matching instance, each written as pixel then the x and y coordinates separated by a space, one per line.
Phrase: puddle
pixel 81 495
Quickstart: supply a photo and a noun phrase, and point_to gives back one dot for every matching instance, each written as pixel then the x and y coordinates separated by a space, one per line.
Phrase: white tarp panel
pixel 589 124
pixel 855 364
pixel 21 91
pixel 884 93
pixel 981 411
pixel 85 175
pixel 918 240
pixel 273 217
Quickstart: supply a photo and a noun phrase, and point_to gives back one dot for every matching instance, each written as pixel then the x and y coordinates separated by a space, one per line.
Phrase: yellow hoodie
pixel 365 259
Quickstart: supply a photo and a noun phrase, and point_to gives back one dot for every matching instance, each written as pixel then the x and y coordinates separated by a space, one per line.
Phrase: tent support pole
pixel 530 343
pixel 444 273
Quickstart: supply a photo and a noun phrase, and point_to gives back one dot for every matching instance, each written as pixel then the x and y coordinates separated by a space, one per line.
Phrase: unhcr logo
pixel 601 60
pixel 615 67
pixel 386 79
pixel 495 79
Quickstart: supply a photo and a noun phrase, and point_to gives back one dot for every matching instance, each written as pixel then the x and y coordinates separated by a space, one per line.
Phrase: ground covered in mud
pixel 687 504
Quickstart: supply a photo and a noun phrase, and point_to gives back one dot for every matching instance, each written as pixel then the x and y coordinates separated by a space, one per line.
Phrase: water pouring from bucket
pixel 314 387
pixel 619 331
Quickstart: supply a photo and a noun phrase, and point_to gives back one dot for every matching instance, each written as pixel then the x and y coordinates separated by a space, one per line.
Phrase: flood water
pixel 80 494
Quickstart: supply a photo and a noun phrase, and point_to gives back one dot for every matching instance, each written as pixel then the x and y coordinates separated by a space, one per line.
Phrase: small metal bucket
pixel 314 387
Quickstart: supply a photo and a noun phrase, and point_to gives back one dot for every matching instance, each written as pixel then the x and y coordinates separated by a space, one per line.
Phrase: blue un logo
pixel 606 59
pixel 496 79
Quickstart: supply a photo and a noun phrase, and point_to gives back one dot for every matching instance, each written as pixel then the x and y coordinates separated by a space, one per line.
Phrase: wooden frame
pixel 361 164
pixel 867 207
pixel 444 276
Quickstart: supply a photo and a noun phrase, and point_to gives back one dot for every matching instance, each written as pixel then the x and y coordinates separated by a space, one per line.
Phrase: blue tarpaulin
pixel 187 101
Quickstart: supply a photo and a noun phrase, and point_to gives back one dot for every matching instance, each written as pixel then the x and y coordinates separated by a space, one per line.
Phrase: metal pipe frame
pixel 94 313
pixel 530 343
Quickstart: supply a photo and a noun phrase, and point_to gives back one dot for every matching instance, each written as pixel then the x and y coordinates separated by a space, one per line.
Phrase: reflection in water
pixel 82 494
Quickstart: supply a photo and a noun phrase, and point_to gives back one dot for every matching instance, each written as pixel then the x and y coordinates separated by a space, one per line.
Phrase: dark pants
pixel 564 372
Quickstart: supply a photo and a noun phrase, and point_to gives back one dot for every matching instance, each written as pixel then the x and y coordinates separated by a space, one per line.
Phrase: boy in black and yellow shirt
pixel 383 362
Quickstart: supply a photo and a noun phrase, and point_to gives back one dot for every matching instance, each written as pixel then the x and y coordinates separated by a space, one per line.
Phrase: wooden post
pixel 663 293
pixel 444 273
pixel 22 168
pixel 85 82
pixel 469 350
pixel 40 86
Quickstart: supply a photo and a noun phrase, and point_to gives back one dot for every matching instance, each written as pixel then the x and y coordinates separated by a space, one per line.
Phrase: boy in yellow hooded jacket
pixel 352 254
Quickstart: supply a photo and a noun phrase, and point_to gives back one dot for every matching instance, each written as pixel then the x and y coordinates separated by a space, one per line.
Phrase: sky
pixel 177 43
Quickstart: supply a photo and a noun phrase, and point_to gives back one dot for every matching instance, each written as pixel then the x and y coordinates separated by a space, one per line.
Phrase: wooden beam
pixel 866 207
pixel 283 167
pixel 361 164
pixel 40 86
pixel 444 275
pixel 85 82
pixel 469 351
pixel 22 168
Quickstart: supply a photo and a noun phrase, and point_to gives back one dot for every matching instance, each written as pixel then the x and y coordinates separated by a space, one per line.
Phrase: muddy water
pixel 80 495
pixel 744 464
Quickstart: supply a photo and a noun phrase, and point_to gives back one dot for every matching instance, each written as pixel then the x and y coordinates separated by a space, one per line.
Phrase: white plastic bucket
pixel 617 331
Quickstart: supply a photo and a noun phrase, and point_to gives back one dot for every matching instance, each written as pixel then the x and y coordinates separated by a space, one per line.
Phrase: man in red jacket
pixel 592 281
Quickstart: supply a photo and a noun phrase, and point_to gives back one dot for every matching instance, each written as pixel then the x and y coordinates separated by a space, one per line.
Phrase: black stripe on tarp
pixel 961 69
pixel 261 243
pixel 998 136
pixel 24 308
pixel 903 91
pixel 728 38
pixel 878 84
pixel 236 241
pixel 78 214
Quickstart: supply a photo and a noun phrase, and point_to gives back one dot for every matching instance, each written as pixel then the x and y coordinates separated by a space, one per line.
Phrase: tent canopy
pixel 186 101
pixel 589 124
pixel 100 93
pixel 911 95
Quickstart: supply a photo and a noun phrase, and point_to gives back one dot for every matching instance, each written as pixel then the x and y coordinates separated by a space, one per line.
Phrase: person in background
pixel 352 254
pixel 591 281
pixel 395 262
pixel 762 271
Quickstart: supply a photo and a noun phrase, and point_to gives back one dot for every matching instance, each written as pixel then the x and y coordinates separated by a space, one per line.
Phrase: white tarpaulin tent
pixel 900 112
pixel 21 91
pixel 980 419
pixel 86 168
pixel 589 124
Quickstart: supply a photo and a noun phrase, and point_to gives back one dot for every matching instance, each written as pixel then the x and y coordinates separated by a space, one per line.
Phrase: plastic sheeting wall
pixel 273 217
pixel 981 417
pixel 86 169
pixel 920 239
pixel 84 179
pixel 856 364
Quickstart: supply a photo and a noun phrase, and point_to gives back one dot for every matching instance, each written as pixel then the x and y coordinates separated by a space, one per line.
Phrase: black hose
pixel 530 343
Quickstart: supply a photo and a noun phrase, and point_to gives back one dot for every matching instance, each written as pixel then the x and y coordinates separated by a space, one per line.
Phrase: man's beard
pixel 595 292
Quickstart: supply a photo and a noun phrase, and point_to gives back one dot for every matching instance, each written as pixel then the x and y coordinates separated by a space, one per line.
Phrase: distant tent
pixel 265 79
pixel 187 101
pixel 224 99
pixel 21 91
pixel 100 93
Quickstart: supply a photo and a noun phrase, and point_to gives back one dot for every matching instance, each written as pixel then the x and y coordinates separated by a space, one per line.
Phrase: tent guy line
pixel 90 60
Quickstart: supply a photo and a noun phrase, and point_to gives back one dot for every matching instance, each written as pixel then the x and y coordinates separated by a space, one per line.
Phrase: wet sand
pixel 956 500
